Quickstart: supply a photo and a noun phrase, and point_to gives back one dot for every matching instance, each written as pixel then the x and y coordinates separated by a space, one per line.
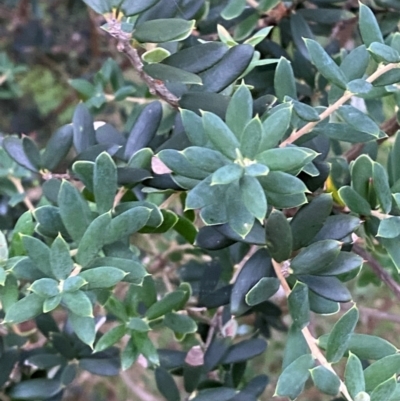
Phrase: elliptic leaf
pixel 369 28
pixel 165 305
pixel 57 147
pixel 253 197
pixel 325 380
pixel 220 135
pixel 340 335
pixel 166 385
pixel 291 381
pixel 163 30
pixel 78 303
pixel 75 212
pixel 240 110
pixel 83 130
pixel 354 376
pixel 25 309
pixel 110 338
pixel 284 82
pixel 324 63
pixel 315 257
pixel 102 277
pixel 104 182
pixel 84 328
pixel 262 291
pixel 278 236
pixel 381 370
pixel 299 306
pixel 60 259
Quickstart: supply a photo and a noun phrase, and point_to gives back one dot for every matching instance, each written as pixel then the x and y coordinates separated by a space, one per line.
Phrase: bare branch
pixel 335 106
pixel 311 342
pixel 378 270
pixel 156 87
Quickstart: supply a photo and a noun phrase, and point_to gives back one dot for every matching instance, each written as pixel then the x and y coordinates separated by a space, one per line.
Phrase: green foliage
pixel 251 171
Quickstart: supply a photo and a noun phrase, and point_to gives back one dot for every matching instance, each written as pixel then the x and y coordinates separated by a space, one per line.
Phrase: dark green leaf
pixel 384 391
pixel 138 6
pixel 110 338
pixel 166 385
pixel 382 188
pixel 369 28
pixel 127 223
pixel 340 335
pixel 262 291
pixel 45 287
pixel 74 210
pixel 354 201
pixel 13 146
pixel 84 328
pixel 138 324
pixel 299 306
pixel 169 74
pixel 102 277
pixel 25 309
pixel 78 303
pixel 163 30
pixel 144 130
pixel 34 389
pixel 325 380
pixel 251 138
pixel 227 174
pixel 354 376
pixel 228 69
pixel 284 82
pixel 389 228
pixel 286 159
pixel 381 371
pixel 39 253
pixel 244 350
pixel 291 381
pixel 240 110
pixel 275 127
pixel 295 346
pixel 83 130
pixel 256 268
pixel 104 182
pixel 253 197
pixel 384 53
pixel 60 259
pixel 73 283
pixel 328 287
pixel 309 220
pixel 57 147
pixel 180 324
pixel 324 63
pixel 338 227
pixel 358 120
pixel 93 239
pixel 315 257
pixel 171 301
pixel 278 236
pixel 197 58
pixel 220 135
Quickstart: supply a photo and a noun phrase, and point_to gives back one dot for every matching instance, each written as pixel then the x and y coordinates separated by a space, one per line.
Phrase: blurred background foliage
pixel 45 46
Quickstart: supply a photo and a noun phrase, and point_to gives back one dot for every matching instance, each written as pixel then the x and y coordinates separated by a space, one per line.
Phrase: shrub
pixel 254 168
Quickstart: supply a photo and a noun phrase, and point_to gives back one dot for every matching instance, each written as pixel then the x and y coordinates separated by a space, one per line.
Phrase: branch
pixel 378 270
pixel 155 86
pixel 311 342
pixel 20 189
pixel 335 106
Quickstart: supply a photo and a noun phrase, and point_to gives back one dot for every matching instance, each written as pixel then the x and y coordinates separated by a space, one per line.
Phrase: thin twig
pixel 120 194
pixel 378 270
pixel 155 86
pixel 335 106
pixel 311 342
pixel 21 190
pixel 139 392
pixel 139 100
